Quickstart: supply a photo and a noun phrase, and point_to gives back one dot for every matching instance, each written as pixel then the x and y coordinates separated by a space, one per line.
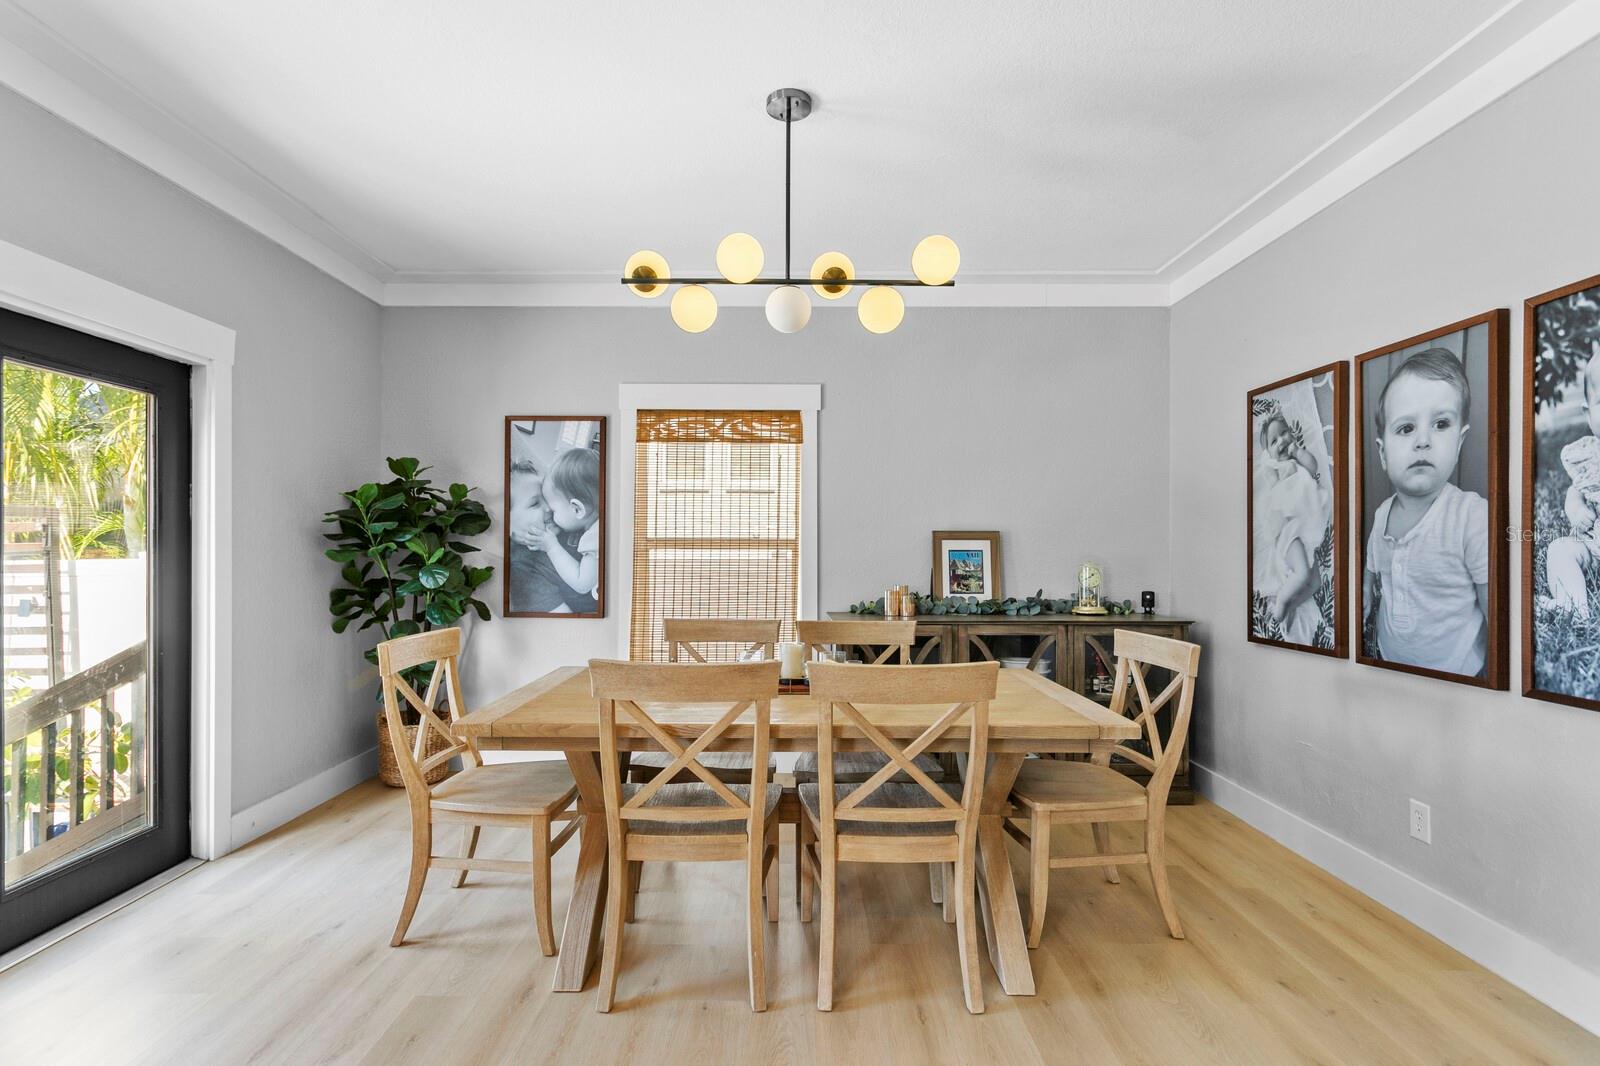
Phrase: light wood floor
pixel 279 953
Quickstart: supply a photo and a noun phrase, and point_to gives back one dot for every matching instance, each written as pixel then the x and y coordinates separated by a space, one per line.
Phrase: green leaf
pixel 440 615
pixel 342 555
pixel 458 491
pixel 433 576
pixel 406 467
pixel 366 494
pixel 405 628
pixel 482 609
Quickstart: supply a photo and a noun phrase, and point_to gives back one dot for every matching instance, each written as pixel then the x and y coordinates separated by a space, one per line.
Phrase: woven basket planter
pixel 389 765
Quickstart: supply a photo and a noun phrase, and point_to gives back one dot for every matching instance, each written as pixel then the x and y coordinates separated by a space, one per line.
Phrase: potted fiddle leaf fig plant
pixel 403 570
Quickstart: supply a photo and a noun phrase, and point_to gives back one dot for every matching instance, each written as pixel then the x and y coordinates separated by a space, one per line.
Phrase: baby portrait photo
pixel 1561 495
pixel 1430 452
pixel 555 516
pixel 1297 510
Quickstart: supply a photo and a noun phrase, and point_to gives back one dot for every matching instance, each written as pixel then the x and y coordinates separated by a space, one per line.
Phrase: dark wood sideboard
pixel 1075 650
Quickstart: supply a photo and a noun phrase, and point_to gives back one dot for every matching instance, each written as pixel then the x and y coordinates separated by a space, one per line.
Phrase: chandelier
pixel 740 259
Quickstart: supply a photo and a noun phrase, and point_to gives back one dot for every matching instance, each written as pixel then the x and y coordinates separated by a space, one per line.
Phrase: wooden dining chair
pixel 880 820
pixel 759 637
pixel 709 820
pixel 1052 792
pixel 526 795
pixel 820 638
pixel 852 767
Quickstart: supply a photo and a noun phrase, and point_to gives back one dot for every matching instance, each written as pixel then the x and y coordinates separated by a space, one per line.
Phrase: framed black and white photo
pixel 555 528
pixel 1431 458
pixel 1561 495
pixel 1298 511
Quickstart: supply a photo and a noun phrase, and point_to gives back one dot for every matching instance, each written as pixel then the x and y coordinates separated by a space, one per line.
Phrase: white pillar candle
pixel 792 656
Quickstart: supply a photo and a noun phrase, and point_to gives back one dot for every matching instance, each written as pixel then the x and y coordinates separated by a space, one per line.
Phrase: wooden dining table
pixel 1028 715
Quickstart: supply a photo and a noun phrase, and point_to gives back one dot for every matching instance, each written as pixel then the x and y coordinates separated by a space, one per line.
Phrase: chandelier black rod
pixel 832 282
pixel 788 128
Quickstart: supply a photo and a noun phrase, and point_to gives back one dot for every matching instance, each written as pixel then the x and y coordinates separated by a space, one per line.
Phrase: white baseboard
pixel 291 803
pixel 1559 983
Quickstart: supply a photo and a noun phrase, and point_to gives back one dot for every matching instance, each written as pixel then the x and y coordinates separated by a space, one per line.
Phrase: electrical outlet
pixel 1422 821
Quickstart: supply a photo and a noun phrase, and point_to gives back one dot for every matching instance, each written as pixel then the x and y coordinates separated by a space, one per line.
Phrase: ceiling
pixel 1099 141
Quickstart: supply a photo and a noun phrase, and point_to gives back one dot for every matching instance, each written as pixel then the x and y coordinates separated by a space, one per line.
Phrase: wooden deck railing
pixel 42 713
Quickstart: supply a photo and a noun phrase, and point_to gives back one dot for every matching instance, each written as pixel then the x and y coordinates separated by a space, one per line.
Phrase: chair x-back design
pixel 705 820
pixel 891 637
pixel 759 637
pixel 917 820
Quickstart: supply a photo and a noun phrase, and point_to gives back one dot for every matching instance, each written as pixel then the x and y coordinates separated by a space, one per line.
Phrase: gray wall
pixel 1048 425
pixel 1500 209
pixel 304 422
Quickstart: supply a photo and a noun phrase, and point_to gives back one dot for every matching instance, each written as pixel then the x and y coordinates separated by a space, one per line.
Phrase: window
pixel 716 523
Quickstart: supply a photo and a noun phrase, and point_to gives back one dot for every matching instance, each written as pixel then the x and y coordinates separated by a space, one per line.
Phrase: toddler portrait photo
pixel 1297 508
pixel 555 516
pixel 1561 495
pixel 1431 456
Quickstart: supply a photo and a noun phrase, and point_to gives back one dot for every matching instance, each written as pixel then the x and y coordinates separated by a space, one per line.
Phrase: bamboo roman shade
pixel 716 522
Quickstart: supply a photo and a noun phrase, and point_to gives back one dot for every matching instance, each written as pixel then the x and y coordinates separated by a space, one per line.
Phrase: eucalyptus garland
pixel 1036 604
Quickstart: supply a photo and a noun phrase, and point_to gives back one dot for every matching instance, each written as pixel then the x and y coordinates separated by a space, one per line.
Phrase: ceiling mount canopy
pixel 740 259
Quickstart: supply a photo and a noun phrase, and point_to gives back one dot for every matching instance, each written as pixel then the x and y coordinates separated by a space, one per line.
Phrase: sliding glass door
pixel 94 589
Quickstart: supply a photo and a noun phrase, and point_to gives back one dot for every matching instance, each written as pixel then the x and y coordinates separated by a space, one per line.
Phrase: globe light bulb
pixel 935 259
pixel 647 264
pixel 739 257
pixel 788 309
pixel 694 308
pixel 881 309
pixel 837 268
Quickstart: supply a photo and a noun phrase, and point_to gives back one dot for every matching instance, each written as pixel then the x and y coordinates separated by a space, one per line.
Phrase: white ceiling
pixel 508 140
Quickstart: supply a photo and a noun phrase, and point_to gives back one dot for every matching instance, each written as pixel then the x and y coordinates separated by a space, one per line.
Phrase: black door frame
pixel 44 902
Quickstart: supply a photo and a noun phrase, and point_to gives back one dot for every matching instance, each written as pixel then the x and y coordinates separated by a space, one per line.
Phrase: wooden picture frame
pixel 534 588
pixel 1496 325
pixel 1585 295
pixel 986 543
pixel 1332 486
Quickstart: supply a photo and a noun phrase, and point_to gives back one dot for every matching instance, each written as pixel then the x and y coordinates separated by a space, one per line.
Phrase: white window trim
pixel 41 287
pixel 633 398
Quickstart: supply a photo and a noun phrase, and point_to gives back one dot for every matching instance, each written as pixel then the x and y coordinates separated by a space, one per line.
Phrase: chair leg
pixel 421 852
pixel 936 882
pixel 611 951
pixel 541 886
pixel 805 884
pixel 965 887
pixel 771 889
pixel 1155 846
pixel 825 942
pixel 635 876
pixel 468 851
pixel 947 892
pixel 756 923
pixel 1102 845
pixel 1038 874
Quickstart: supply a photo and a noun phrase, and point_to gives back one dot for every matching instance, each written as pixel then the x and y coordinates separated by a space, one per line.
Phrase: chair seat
pixel 732 767
pixel 891 796
pixel 698 794
pixel 854 767
pixel 507 788
pixel 1055 785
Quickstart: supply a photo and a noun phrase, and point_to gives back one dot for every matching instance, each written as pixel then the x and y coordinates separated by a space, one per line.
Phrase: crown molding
pixel 1515 44
pixel 37 65
pixel 1520 60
